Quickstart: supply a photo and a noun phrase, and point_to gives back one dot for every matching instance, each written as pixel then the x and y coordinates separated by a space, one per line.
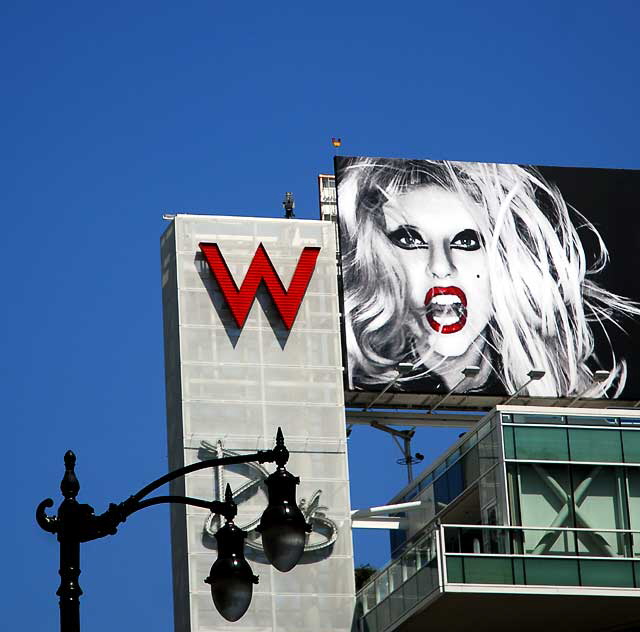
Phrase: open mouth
pixel 446 309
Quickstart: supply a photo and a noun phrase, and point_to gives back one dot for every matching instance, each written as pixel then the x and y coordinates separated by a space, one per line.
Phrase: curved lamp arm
pixel 262 456
pixel 46 522
pixel 88 526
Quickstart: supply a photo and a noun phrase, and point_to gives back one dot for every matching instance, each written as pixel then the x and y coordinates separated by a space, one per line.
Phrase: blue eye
pixel 466 240
pixel 407 237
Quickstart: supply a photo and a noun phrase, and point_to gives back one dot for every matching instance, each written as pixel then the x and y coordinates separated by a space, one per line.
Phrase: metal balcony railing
pixel 448 556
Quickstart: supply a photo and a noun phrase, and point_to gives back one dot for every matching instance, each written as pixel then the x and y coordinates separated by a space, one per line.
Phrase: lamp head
pixel 536 374
pixel 471 371
pixel 230 577
pixel 601 376
pixel 283 526
pixel 404 368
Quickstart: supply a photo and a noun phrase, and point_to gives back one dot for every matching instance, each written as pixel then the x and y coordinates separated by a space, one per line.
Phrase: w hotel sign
pixel 252 342
pixel 261 270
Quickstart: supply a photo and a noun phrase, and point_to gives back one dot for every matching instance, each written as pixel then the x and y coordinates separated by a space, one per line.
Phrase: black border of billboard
pixel 565 179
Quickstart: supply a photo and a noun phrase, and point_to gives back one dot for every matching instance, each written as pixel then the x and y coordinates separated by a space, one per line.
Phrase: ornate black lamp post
pixel 283 529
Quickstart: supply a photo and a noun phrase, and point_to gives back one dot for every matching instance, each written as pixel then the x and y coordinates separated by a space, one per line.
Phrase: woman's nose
pixel 440 264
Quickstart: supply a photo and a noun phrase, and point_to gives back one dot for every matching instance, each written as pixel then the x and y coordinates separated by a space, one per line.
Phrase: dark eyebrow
pixel 405 229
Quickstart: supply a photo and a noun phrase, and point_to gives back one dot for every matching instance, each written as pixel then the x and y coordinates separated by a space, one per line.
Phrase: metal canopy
pixel 414 418
pixel 475 403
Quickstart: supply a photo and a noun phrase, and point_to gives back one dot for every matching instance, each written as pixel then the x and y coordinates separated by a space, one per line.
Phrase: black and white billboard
pixel 507 268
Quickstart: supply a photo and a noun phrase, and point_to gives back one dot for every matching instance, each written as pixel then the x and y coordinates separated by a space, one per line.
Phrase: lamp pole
pixel 76 523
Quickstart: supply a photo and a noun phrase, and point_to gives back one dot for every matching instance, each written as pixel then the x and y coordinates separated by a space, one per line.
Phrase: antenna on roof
pixel 409 459
pixel 289 204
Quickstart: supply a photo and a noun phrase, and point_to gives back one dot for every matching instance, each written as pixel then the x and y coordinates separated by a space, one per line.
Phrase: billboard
pixel 504 268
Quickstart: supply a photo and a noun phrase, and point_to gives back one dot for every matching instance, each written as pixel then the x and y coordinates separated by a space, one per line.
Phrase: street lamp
pixel 283 526
pixel 230 577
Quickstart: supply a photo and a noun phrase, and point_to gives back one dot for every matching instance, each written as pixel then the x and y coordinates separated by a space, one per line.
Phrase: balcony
pixel 455 577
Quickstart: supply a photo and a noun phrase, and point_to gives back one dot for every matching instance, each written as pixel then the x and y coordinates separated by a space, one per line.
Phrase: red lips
pixel 462 315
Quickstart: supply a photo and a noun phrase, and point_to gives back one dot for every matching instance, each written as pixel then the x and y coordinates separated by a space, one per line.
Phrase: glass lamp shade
pixel 283 526
pixel 230 577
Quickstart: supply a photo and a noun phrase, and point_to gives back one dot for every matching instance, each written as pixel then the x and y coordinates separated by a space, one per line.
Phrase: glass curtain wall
pixel 469 466
pixel 596 487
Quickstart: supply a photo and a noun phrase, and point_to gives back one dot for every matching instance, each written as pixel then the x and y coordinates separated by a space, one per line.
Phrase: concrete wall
pixel 236 387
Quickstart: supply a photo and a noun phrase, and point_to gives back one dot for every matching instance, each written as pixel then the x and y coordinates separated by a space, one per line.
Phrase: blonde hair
pixel 544 299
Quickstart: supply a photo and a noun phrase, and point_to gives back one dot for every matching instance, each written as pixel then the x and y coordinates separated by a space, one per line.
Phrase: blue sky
pixel 114 113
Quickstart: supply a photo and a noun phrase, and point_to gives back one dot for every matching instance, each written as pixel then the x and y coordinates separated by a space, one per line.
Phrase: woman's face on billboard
pixel 437 242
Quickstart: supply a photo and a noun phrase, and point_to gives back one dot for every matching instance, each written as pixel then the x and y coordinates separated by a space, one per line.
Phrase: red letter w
pixel 261 269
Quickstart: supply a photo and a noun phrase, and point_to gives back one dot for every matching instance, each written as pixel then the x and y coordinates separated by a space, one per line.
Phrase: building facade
pixel 531 521
pixel 231 384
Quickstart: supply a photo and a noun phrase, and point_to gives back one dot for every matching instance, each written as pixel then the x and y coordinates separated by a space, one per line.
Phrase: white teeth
pixel 445 299
pixel 446 320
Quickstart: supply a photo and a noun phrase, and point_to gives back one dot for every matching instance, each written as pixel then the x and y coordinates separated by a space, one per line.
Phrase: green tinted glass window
pixel 428 578
pixel 488 570
pixel 518 571
pixel 551 572
pixel 600 503
pixel 509 445
pixel 370 622
pixel 606 573
pixel 545 499
pixel 453 457
pixel 383 615
pixel 471 466
pixel 410 590
pixel 395 576
pixel 514 495
pixel 521 418
pixel 602 446
pixel 631 446
pixel 396 604
pixel 588 420
pixel 541 443
pixel 488 451
pixel 454 570
pixel 633 478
